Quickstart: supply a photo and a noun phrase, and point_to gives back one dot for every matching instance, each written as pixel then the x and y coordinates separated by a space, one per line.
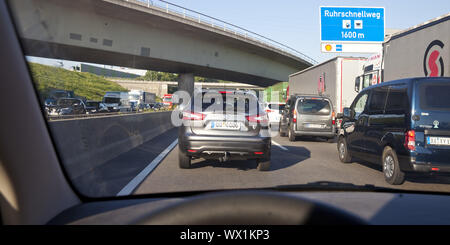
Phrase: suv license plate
pixel 225 125
pixel 438 140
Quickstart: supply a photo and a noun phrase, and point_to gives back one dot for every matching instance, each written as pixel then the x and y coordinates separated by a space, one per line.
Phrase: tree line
pixel 173 77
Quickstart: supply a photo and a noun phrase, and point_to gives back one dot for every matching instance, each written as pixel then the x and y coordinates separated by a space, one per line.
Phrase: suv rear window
pixel 434 96
pixel 227 102
pixel 314 107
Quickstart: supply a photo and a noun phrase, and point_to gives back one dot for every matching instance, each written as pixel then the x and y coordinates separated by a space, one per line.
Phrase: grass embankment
pixel 84 84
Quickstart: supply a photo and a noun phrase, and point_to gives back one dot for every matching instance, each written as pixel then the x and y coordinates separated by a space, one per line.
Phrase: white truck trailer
pixel 333 79
pixel 420 51
pixel 138 98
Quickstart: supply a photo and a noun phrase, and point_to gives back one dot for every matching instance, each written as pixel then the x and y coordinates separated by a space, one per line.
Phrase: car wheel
pixel 391 168
pixel 344 154
pixel 263 164
pixel 184 161
pixel 282 134
pixel 291 134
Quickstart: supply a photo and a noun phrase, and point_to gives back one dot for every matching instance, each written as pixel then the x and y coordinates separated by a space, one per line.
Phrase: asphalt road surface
pixel 301 162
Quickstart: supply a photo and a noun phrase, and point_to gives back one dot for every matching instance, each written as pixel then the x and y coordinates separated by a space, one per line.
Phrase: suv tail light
pixel 410 140
pixel 294 118
pixel 262 118
pixel 189 115
pixel 333 118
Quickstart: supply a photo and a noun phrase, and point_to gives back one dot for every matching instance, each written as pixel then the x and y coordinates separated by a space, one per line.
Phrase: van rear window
pixel 314 107
pixel 435 96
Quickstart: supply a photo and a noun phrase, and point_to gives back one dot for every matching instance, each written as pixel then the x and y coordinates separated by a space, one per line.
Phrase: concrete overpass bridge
pixel 162 87
pixel 145 36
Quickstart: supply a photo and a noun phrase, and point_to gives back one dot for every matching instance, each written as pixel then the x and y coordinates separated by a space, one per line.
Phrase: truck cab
pixel 167 100
pixel 117 101
pixel 372 72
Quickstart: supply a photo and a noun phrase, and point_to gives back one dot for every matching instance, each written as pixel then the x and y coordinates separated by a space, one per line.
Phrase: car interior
pixel 35 189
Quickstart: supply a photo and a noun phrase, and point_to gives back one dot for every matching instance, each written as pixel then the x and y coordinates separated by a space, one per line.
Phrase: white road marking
pixel 277 144
pixel 129 188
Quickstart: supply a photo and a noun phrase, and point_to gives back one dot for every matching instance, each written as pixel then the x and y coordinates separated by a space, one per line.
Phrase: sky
pixel 295 23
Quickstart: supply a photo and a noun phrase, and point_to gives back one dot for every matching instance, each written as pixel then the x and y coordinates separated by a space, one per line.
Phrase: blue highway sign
pixel 352 24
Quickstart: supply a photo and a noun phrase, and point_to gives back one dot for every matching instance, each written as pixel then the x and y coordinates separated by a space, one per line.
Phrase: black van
pixel 402 124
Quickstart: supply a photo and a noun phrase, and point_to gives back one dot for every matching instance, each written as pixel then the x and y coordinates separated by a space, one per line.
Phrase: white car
pixel 273 110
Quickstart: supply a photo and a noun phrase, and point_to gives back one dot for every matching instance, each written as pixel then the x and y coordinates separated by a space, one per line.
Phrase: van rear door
pixel 314 114
pixel 433 108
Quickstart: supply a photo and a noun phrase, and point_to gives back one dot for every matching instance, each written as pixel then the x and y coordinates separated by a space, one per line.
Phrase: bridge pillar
pixel 186 82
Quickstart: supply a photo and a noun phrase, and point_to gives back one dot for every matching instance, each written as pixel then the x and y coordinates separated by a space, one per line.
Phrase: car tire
pixel 263 164
pixel 391 167
pixel 343 153
pixel 291 134
pixel 282 134
pixel 184 161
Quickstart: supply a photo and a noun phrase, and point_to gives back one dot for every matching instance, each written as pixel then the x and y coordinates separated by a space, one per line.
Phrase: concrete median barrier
pixel 84 144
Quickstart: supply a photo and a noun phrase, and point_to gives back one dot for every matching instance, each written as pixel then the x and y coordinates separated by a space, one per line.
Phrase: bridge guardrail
pixel 210 21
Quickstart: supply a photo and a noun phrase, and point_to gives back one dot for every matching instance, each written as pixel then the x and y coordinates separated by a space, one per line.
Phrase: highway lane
pixel 301 162
pixel 145 169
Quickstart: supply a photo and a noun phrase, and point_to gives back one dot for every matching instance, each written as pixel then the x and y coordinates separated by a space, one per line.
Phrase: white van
pixel 117 101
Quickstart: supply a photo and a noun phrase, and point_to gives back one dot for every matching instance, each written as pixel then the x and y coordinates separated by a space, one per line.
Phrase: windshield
pixel 155 55
pixel 134 97
pixel 93 104
pixel 67 102
pixel 110 100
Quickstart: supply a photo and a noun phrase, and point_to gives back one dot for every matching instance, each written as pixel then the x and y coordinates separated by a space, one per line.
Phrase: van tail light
pixel 261 119
pixel 333 118
pixel 410 140
pixel 194 116
pixel 294 119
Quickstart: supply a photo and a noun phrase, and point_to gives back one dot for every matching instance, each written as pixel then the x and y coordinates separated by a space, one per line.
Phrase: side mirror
pixel 346 113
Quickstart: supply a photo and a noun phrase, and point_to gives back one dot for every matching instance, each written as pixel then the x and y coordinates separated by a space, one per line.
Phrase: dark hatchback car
pixel 308 115
pixel 224 125
pixel 402 124
pixel 95 107
pixel 70 106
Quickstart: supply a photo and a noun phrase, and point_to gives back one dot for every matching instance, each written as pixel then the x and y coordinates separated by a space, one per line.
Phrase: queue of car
pixel 62 102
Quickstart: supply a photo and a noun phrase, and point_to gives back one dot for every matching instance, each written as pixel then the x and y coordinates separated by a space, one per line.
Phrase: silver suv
pixel 307 115
pixel 224 125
